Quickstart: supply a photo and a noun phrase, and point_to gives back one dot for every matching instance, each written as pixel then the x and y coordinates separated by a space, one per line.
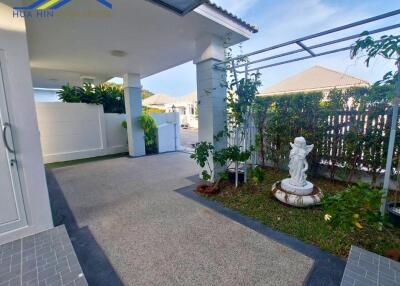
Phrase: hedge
pixel 349 129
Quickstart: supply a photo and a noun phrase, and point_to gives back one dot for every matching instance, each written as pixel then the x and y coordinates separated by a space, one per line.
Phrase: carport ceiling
pixel 134 37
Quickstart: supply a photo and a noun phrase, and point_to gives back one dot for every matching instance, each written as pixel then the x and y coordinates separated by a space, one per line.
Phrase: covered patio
pixel 126 222
pixel 130 226
pixel 47 44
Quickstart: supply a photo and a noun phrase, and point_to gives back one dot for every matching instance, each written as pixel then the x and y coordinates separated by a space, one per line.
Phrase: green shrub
pixel 257 175
pixel 110 95
pixel 355 207
pixel 348 138
pixel 149 126
pixel 124 124
pixel 280 119
pixel 201 155
pixel 72 94
pixel 112 98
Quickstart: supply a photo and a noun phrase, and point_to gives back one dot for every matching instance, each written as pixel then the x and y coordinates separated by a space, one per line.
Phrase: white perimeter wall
pixel 168 123
pixel 70 131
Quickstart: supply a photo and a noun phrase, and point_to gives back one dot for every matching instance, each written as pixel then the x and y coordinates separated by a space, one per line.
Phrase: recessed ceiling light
pixel 118 53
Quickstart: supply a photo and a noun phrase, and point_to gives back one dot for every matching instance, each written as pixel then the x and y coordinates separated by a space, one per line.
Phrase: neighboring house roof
pixel 186 99
pixel 240 21
pixel 316 78
pixel 164 100
pixel 158 99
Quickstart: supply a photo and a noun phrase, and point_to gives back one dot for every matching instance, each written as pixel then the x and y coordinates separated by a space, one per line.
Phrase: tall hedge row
pixel 349 129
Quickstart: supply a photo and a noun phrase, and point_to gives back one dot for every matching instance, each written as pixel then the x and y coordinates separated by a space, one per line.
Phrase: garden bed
pixel 255 200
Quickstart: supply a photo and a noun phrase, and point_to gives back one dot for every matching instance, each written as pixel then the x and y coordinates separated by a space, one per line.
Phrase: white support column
pixel 133 106
pixel 211 95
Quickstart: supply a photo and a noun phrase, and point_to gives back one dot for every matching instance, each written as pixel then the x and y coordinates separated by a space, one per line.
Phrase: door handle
pixel 5 126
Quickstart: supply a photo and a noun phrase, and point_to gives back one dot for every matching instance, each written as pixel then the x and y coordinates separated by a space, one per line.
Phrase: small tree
pixel 387 47
pixel 240 106
pixel 240 101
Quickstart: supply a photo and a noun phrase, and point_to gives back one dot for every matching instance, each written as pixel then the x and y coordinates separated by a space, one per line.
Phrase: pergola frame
pixel 265 62
pixel 249 65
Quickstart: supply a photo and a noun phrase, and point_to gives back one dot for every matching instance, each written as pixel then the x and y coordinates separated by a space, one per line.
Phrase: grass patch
pixel 306 224
pixel 87 160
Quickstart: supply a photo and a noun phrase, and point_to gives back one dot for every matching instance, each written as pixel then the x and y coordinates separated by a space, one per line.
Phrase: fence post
pixel 392 138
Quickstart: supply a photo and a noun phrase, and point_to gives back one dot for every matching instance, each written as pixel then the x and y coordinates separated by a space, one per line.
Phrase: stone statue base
pixel 302 191
pixel 296 200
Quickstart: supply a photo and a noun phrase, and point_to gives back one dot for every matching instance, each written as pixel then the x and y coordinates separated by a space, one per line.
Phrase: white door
pixel 12 211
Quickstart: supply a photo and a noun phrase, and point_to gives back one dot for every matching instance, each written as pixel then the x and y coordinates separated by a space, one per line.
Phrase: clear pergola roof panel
pixel 180 7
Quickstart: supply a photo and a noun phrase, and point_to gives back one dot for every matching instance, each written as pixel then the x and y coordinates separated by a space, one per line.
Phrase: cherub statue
pixel 298 164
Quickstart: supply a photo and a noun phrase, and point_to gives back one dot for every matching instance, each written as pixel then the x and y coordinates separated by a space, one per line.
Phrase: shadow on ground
pixel 95 265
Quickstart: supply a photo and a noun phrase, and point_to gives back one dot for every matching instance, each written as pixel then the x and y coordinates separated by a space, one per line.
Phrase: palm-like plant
pixel 70 94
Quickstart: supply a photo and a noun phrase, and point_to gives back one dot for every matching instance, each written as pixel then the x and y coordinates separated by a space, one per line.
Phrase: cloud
pixel 288 20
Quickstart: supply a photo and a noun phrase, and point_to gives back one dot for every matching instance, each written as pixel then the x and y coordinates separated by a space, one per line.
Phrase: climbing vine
pixel 241 97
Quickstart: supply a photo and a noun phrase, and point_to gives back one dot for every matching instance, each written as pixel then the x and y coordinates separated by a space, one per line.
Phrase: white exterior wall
pixel 167 142
pixel 70 131
pixel 117 139
pixel 166 138
pixel 21 107
pixel 185 112
pixel 189 118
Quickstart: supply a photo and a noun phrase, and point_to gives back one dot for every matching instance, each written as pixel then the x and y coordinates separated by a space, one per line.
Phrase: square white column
pixel 211 94
pixel 133 106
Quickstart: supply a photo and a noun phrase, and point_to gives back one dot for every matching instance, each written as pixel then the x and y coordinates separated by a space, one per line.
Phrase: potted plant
pixel 203 153
pixel 394 212
pixel 393 207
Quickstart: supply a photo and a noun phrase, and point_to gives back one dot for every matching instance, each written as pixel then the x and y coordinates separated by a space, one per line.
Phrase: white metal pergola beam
pixel 265 63
pixel 309 49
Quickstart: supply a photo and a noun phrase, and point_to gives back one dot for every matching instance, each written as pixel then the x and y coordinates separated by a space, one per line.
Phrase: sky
pixel 284 20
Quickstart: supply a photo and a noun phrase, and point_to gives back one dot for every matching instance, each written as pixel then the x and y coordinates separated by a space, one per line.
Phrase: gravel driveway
pixel 151 235
pixel 188 138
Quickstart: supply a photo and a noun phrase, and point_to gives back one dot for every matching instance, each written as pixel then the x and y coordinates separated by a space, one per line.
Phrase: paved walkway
pixel 46 258
pixel 188 138
pixel 152 235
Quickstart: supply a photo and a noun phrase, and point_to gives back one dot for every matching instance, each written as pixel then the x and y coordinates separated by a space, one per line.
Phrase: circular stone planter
pixel 307 189
pixel 297 200
pixel 393 215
